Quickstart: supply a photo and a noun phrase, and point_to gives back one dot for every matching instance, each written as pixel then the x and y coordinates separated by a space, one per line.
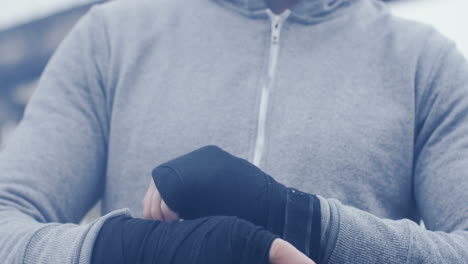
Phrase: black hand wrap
pixel 303 223
pixel 210 181
pixel 125 240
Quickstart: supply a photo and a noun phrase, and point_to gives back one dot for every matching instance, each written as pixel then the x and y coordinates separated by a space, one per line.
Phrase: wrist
pixel 302 224
pixel 276 207
pixel 122 239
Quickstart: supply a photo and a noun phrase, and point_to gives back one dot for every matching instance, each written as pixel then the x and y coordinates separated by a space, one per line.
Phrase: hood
pixel 305 11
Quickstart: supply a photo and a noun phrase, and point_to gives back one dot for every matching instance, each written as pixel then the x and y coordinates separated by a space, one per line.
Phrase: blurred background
pixel 30 31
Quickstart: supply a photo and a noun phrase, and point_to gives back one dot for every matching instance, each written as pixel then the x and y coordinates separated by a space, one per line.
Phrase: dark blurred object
pixel 24 52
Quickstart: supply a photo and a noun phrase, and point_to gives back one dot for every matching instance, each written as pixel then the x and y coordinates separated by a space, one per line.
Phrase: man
pixel 337 98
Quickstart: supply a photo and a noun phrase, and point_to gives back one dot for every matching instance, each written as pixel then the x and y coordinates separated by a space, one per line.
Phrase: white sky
pixel 13 12
pixel 448 16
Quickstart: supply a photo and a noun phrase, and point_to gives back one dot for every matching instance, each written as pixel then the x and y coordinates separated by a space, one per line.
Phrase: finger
pixel 147 203
pixel 282 252
pixel 168 214
pixel 156 206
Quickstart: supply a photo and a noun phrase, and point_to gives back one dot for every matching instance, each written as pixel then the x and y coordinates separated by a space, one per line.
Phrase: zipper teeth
pixel 276 25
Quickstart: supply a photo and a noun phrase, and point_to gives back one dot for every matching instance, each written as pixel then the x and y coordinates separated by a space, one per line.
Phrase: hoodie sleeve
pixel 440 179
pixel 52 169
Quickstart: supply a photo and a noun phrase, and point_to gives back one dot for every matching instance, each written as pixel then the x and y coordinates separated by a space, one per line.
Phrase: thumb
pixel 282 252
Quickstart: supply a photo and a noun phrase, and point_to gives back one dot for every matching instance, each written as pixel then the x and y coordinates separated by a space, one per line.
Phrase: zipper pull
pixel 277 21
pixel 275 29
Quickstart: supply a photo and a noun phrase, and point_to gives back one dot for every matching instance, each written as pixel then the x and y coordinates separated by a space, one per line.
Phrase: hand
pixel 123 240
pixel 156 209
pixel 210 181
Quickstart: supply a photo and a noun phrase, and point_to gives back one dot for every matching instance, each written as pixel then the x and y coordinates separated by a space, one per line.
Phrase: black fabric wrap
pixel 218 240
pixel 210 181
pixel 303 222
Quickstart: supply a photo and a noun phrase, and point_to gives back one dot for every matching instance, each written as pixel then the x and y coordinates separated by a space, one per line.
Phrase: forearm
pixel 125 240
pixel 355 236
pixel 25 240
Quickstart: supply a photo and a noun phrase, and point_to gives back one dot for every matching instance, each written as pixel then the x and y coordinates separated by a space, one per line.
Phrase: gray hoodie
pixel 334 97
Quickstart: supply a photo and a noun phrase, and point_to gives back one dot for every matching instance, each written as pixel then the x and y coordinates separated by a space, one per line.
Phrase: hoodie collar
pixel 305 11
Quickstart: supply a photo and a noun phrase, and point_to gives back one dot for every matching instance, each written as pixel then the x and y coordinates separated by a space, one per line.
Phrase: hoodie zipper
pixel 277 21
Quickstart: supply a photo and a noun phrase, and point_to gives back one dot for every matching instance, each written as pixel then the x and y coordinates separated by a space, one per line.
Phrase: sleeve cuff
pixel 66 243
pixel 355 236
